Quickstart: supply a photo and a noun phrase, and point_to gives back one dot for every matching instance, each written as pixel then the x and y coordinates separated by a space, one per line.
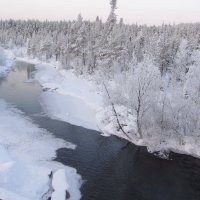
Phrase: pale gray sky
pixel 140 11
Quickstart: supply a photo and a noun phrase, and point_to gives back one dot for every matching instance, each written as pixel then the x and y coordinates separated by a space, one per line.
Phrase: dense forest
pixel 154 71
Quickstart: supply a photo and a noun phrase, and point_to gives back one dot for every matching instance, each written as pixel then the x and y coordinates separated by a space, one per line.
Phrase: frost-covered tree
pixel 192 95
pixel 181 61
pixel 141 86
pixel 112 16
pixel 2 57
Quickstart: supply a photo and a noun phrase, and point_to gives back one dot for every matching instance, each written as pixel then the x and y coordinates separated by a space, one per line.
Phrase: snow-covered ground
pixel 26 152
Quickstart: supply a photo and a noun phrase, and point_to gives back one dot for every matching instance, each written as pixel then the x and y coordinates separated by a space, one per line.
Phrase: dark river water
pixel 112 168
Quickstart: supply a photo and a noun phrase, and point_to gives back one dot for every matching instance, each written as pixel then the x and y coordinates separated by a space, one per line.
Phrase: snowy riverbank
pixel 79 101
pixel 6 62
pixel 68 97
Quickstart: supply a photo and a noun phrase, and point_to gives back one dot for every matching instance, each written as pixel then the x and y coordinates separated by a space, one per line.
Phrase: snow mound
pixel 59 185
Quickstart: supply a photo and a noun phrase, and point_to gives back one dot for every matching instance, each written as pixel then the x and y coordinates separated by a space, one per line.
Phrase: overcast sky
pixel 140 11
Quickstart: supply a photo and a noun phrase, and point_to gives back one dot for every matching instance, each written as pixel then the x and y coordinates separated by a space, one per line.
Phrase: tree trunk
pixel 138 114
pixel 139 128
pixel 113 107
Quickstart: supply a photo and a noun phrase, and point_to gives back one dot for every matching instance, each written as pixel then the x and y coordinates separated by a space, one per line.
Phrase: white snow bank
pixel 68 108
pixel 27 60
pixel 25 158
pixel 71 98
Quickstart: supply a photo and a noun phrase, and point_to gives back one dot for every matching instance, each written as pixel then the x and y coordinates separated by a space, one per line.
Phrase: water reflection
pixel 14 89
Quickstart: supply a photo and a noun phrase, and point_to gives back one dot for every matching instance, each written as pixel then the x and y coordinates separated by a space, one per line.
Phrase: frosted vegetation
pixel 5 62
pixel 150 73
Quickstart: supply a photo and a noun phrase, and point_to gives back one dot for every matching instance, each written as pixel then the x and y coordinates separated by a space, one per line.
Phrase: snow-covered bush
pixel 2 57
